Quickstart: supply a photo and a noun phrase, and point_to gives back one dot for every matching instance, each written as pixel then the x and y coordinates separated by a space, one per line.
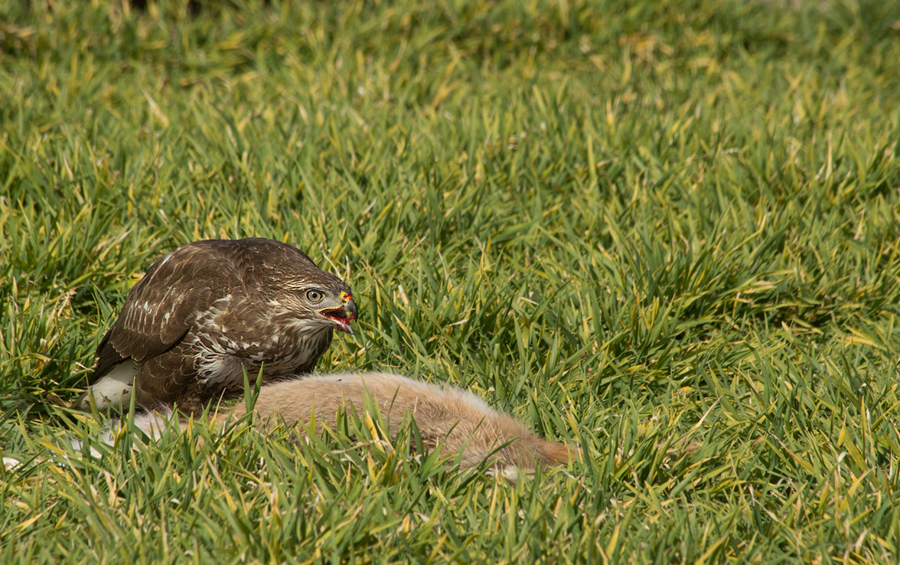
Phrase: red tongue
pixel 343 324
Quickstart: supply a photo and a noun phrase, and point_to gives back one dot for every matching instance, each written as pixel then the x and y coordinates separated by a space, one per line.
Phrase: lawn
pixel 665 231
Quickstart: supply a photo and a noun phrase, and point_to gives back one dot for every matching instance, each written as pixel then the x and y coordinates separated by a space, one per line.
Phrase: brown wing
pixel 162 307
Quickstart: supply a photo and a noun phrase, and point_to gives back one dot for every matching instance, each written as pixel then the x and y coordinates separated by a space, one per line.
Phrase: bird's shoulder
pixel 162 307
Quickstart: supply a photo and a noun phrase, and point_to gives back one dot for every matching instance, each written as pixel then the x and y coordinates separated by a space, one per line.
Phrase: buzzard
pixel 210 310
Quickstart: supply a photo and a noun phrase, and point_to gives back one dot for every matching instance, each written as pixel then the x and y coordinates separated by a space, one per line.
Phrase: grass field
pixel 667 231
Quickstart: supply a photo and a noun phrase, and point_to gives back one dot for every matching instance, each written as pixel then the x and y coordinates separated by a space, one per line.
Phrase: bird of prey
pixel 210 310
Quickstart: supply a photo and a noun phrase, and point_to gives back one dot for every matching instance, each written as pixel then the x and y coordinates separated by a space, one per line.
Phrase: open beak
pixel 341 317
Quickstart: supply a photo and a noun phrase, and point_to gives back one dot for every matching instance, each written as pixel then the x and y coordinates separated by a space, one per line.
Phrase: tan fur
pixel 463 422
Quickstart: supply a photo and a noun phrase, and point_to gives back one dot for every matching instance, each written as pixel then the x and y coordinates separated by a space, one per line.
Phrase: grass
pixel 666 231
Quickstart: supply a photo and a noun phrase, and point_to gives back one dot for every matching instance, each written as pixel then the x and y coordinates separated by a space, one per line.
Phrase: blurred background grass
pixel 667 231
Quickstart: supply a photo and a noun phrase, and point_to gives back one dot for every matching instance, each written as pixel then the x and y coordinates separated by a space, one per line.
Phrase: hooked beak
pixel 341 317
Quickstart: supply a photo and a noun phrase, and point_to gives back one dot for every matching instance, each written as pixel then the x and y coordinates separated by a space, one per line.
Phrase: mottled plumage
pixel 210 309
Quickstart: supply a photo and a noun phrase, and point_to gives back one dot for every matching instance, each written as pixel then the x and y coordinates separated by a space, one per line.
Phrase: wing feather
pixel 162 308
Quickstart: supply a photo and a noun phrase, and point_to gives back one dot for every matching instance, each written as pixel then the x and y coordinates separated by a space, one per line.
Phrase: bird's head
pixel 325 302
pixel 308 296
pixel 338 308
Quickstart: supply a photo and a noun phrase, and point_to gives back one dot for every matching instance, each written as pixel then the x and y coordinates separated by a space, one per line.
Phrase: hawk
pixel 210 310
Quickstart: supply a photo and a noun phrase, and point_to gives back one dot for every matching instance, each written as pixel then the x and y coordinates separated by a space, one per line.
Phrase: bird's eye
pixel 314 296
